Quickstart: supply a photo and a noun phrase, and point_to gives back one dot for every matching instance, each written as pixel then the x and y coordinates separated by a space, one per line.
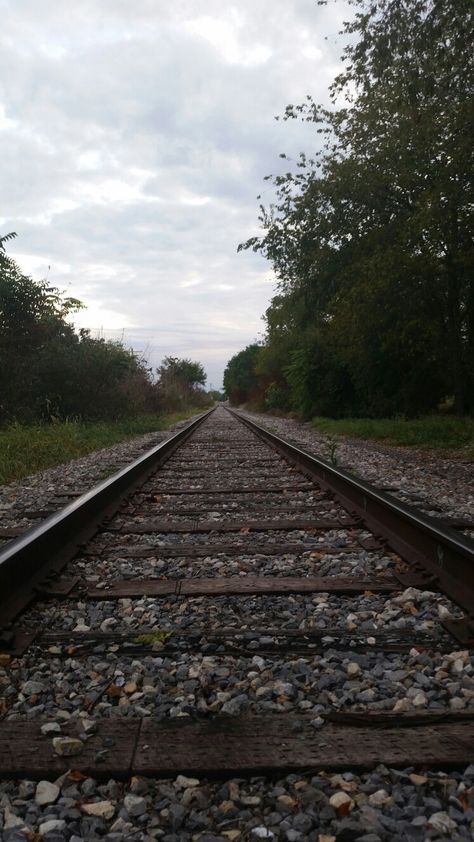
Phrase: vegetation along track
pixel 227 606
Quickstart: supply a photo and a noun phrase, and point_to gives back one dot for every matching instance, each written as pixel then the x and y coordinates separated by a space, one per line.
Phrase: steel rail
pixel 447 556
pixel 44 549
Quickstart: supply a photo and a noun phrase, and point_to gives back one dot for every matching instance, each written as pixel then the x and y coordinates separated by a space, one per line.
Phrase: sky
pixel 134 140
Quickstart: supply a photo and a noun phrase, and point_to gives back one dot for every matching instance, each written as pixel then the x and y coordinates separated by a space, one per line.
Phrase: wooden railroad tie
pixel 235 746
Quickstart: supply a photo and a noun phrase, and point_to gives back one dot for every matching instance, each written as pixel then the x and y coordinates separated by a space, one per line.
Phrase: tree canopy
pixel 370 237
pixel 240 378
pixel 181 381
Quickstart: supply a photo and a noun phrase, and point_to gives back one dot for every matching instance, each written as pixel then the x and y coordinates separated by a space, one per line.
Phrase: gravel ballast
pixel 436 483
pixel 257 669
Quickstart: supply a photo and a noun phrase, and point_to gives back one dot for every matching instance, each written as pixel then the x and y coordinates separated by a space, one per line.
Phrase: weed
pixel 158 636
pixel 330 447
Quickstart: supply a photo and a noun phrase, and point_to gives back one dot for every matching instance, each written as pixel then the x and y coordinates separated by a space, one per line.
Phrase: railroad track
pixel 226 606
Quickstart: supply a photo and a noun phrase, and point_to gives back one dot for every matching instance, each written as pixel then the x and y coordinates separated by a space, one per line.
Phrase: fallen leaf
pixel 76 776
pixel 418 780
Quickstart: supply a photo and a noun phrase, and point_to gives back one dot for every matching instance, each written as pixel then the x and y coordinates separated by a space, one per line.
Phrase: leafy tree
pixel 240 376
pixel 181 382
pixel 370 237
pixel 215 395
pixel 187 372
pixel 32 316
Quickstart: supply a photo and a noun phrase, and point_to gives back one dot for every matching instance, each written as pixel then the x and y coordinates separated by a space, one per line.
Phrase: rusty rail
pixel 446 556
pixel 44 549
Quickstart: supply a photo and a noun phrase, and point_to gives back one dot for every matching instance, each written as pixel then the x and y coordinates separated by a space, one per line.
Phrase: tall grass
pixel 25 450
pixel 447 432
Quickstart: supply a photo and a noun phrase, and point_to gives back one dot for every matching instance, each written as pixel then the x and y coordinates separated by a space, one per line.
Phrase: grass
pixel 25 450
pixel 446 432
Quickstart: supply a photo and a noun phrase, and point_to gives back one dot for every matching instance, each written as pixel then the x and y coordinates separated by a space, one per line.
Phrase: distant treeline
pixel 49 371
pixel 371 238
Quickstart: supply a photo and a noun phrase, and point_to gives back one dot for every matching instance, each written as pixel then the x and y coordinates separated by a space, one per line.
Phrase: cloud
pixel 133 142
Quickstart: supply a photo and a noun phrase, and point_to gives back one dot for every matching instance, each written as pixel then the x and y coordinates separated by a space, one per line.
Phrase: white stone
pixel 185 783
pixel 32 688
pixel 101 809
pixel 441 822
pixel 52 824
pixel 341 802
pixel 262 833
pixel 401 705
pixel 259 662
pixel 120 826
pixel 135 805
pixel 108 624
pixel 67 746
pixel 408 595
pixel 378 798
pixel 89 726
pixel 50 728
pixel 12 821
pixel 46 793
pixel 353 668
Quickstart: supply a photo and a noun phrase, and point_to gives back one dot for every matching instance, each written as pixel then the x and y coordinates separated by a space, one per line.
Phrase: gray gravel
pixel 410 610
pixel 432 481
pixel 40 491
pixel 255 670
pixel 384 804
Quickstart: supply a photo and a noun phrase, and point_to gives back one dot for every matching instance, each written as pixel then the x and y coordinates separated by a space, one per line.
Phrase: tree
pixel 187 372
pixel 32 317
pixel 240 376
pixel 370 237
pixel 49 371
pixel 181 383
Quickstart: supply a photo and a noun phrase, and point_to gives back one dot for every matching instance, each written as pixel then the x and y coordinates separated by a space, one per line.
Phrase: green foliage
pixel 184 371
pixel 156 636
pixel 370 237
pixel 181 382
pixel 240 376
pixel 215 395
pixel 276 397
pixel 447 432
pixel 27 449
pixel 49 372
pixel 330 447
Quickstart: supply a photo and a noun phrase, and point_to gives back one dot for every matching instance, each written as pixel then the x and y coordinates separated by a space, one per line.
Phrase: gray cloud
pixel 133 143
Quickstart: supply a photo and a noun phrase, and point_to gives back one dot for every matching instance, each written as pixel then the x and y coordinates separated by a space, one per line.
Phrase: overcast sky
pixel 134 138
